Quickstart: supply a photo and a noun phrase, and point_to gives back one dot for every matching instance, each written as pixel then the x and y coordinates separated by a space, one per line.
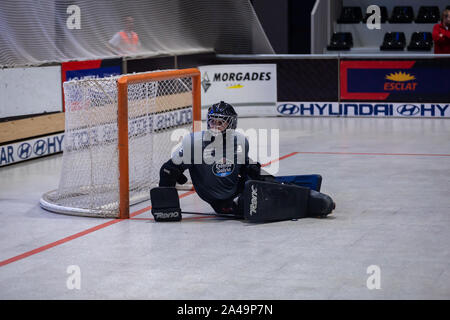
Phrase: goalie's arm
pixel 171 173
pixel 251 170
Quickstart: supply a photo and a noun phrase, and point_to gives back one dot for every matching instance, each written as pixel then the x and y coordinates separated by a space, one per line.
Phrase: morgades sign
pixel 239 84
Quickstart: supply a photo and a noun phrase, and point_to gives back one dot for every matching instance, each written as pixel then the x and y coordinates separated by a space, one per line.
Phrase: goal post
pixel 117 135
pixel 122 84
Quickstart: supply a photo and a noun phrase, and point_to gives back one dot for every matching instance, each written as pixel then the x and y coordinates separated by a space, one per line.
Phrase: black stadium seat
pixel 350 15
pixel 341 41
pixel 394 41
pixel 384 15
pixel 420 41
pixel 428 14
pixel 402 14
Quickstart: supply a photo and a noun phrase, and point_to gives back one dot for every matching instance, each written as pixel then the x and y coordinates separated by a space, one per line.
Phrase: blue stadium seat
pixel 340 41
pixel 420 41
pixel 350 15
pixel 428 14
pixel 402 14
pixel 394 41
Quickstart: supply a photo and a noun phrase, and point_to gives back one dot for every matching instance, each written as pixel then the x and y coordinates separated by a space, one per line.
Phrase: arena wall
pixel 335 85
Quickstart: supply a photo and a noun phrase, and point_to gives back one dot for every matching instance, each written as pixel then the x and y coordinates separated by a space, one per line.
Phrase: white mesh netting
pixel 35 32
pixel 89 180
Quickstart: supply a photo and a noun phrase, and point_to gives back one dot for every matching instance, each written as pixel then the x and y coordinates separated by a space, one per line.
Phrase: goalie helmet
pixel 221 117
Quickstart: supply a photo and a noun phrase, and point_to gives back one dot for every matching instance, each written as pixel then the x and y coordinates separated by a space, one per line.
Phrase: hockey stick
pixel 231 216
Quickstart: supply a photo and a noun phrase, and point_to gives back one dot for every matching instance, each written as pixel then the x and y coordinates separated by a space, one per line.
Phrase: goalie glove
pixel 165 204
pixel 254 172
pixel 170 174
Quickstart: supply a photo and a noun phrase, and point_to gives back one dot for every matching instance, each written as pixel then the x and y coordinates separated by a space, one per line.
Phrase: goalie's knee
pixel 268 201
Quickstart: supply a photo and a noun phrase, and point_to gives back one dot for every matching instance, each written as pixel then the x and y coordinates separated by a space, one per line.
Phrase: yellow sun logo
pixel 236 86
pixel 400 76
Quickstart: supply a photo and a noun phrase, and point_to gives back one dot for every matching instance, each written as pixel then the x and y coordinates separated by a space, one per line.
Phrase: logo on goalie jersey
pixel 223 168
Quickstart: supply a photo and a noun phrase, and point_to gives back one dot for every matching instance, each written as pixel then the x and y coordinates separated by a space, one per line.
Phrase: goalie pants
pixel 234 206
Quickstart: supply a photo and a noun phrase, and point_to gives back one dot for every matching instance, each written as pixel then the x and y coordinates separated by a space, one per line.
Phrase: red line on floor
pixel 57 243
pixel 377 154
pixel 107 224
pixel 281 158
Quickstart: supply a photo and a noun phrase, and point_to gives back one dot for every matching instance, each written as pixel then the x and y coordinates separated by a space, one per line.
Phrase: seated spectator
pixel 125 41
pixel 441 34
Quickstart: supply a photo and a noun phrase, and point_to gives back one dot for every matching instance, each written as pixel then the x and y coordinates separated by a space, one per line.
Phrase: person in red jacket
pixel 441 34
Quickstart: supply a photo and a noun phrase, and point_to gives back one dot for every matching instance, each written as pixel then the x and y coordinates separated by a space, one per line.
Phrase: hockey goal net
pixel 118 133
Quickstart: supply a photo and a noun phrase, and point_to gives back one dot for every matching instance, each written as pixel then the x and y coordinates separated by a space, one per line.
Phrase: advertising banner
pixel 29 149
pixel 300 79
pixel 397 81
pixel 90 69
pixel 363 109
pixel 242 85
pixel 28 91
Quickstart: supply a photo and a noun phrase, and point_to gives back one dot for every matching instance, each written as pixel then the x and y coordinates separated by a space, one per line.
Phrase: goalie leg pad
pixel 312 181
pixel 165 204
pixel 268 201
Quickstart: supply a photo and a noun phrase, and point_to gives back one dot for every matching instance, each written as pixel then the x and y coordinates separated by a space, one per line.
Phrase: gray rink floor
pixel 390 179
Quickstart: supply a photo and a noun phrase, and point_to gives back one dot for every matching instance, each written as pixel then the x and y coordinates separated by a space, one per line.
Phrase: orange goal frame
pixel 122 119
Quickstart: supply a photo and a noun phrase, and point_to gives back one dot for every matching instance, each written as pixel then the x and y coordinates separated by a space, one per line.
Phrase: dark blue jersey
pixel 214 163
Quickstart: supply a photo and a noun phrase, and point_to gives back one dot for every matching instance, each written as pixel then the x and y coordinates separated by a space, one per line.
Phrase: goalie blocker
pixel 165 204
pixel 262 202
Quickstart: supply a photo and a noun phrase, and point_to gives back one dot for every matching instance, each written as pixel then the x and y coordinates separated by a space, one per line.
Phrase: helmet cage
pixel 217 120
pixel 221 115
